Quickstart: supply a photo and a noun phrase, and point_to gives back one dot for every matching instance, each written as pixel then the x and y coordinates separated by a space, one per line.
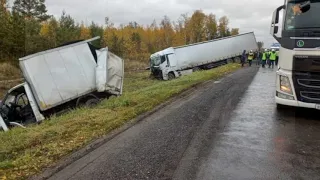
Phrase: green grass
pixel 25 152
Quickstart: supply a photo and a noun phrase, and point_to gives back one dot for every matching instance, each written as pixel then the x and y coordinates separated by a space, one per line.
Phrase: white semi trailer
pixel 67 76
pixel 298 73
pixel 172 62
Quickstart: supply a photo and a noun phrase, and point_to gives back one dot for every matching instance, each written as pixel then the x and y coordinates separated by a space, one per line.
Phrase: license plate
pixel 318 106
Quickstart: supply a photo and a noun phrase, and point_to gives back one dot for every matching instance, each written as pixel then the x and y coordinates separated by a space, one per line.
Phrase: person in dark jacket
pixel 258 58
pixel 243 58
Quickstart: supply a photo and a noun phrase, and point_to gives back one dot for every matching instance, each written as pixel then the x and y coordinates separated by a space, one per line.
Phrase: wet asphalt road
pixel 228 129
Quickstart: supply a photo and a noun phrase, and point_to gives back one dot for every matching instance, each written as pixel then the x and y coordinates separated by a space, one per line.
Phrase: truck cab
pixel 18 108
pixel 298 74
pixel 163 63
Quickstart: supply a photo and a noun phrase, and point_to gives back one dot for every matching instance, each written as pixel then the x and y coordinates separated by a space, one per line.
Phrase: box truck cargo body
pixel 169 63
pixel 75 74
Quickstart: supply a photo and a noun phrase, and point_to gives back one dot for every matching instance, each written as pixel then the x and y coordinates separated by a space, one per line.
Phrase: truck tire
pixel 91 102
pixel 237 60
pixel 171 76
pixel 195 69
pixel 229 61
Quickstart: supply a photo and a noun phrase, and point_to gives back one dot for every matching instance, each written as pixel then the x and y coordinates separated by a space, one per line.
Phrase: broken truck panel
pixel 115 74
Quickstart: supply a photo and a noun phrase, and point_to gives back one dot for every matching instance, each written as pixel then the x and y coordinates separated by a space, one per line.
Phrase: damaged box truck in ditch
pixel 71 75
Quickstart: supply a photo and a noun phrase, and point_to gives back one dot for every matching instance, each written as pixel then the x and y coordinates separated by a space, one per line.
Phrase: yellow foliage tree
pixel 84 32
pixel 44 31
pixel 234 31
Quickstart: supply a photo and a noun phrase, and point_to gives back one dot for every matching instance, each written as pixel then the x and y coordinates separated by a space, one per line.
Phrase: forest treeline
pixel 27 28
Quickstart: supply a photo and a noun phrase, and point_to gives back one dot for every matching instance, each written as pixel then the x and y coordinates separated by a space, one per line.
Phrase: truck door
pixel 172 62
pixel 164 62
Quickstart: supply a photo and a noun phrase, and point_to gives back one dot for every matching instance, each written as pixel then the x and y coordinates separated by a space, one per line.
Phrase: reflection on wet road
pixel 261 142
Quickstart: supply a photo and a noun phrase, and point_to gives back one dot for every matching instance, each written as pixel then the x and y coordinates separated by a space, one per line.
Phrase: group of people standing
pixel 266 57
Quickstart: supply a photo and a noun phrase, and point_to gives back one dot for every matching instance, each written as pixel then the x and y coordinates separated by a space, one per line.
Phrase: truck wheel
pixel 237 60
pixel 171 76
pixel 91 102
pixel 229 61
pixel 195 69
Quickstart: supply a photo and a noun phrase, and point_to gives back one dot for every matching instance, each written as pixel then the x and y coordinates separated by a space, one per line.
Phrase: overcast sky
pixel 248 15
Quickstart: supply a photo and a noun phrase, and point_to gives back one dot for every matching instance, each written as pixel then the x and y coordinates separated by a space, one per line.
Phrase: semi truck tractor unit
pixel 72 75
pixel 175 61
pixel 298 73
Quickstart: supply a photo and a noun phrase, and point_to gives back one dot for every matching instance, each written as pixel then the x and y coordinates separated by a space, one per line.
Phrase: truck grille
pixel 157 73
pixel 307 87
pixel 309 83
pixel 310 95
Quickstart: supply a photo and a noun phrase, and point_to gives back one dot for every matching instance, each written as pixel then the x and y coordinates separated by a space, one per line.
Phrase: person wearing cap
pixel 250 57
pixel 264 58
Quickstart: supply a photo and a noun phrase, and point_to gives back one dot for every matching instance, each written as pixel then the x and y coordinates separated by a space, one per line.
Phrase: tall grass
pixel 9 72
pixel 24 152
pixel 131 65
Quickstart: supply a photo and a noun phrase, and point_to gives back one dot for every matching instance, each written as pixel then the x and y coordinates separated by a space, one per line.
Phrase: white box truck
pixel 71 75
pixel 172 62
pixel 298 73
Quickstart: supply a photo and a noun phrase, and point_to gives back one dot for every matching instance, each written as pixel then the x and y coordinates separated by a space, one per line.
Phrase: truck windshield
pixel 155 61
pixel 296 19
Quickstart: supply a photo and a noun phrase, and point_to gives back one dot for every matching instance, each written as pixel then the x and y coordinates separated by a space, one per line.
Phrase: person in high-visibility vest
pixel 277 58
pixel 250 57
pixel 264 58
pixel 268 56
pixel 273 57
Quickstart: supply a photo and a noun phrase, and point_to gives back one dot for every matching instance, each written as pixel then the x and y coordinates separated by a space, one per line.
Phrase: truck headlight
pixel 285 85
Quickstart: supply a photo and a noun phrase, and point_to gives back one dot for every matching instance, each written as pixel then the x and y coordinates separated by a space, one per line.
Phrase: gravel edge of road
pixel 64 162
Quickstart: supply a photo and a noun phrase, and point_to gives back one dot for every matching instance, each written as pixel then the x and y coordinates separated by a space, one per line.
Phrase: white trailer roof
pixel 213 40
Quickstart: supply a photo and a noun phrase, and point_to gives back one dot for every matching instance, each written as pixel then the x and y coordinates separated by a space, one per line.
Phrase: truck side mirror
pixel 305 7
pixel 275 18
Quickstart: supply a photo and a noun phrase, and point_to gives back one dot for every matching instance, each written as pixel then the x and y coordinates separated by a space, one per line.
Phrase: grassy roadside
pixel 24 152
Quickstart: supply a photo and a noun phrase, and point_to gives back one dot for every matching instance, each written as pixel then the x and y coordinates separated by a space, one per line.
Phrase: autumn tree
pixel 196 26
pixel 166 32
pixel 5 21
pixel 31 9
pixel 85 32
pixel 49 32
pixel 223 26
pixel 234 31
pixel 260 45
pixel 28 29
pixel 96 30
pixel 211 27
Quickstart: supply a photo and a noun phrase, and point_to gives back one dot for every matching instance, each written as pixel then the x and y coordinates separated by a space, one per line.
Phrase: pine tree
pixel 31 9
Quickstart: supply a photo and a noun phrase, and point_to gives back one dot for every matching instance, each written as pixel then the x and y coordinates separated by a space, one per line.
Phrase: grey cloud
pixel 248 15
